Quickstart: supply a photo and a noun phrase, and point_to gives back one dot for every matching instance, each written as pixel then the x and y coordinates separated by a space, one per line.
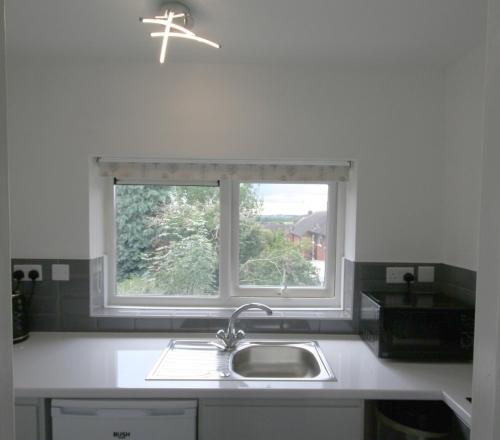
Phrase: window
pixel 221 243
pixel 282 244
pixel 167 240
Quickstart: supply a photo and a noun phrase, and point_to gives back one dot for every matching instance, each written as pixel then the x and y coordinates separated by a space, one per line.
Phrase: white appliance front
pixel 124 419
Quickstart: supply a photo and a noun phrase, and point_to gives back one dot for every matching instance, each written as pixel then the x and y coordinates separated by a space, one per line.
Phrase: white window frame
pixel 230 293
pixel 270 292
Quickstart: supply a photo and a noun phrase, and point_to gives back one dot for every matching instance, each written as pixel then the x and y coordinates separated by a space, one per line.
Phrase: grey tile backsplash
pixel 457 282
pixel 65 305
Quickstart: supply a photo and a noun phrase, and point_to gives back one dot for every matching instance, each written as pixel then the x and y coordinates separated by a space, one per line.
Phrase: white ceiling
pixel 278 31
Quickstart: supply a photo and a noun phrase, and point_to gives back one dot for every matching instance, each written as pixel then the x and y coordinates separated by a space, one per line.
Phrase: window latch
pixel 283 290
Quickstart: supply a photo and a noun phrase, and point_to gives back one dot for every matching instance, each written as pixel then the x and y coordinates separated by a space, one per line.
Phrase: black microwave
pixel 429 326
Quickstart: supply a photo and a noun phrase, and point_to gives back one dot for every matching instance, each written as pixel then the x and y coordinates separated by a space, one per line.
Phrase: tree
pixel 188 267
pixel 252 234
pixel 136 205
pixel 281 263
pixel 185 259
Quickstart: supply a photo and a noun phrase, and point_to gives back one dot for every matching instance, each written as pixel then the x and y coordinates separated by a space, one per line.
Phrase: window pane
pixel 283 234
pixel 167 240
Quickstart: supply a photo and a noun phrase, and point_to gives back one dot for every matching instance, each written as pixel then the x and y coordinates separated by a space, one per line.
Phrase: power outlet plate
pixel 26 268
pixel 394 275
pixel 60 272
pixel 425 274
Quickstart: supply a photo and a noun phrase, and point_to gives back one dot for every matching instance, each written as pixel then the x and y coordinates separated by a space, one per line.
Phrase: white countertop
pixel 114 365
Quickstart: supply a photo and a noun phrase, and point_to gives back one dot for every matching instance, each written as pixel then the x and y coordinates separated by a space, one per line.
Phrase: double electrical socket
pixel 394 275
pixel 27 268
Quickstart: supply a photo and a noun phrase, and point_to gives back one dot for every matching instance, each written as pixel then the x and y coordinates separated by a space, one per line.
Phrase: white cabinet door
pixel 31 415
pixel 269 419
pixel 27 422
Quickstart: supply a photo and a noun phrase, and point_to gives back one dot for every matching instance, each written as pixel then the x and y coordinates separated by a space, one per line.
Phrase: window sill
pixel 215 312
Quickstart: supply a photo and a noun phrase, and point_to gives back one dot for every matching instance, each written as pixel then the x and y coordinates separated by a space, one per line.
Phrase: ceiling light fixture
pixel 177 20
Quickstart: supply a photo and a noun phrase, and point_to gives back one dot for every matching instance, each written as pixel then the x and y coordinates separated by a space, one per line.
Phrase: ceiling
pixel 263 31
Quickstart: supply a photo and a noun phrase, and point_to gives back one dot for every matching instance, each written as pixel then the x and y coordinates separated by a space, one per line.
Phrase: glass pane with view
pixel 167 240
pixel 283 229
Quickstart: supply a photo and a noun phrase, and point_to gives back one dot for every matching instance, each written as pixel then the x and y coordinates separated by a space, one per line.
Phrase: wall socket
pixel 394 275
pixel 26 268
pixel 425 274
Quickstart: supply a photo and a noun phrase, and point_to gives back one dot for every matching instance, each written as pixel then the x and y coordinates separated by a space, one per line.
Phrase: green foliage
pixel 188 267
pixel 281 263
pixel 136 205
pixel 185 260
pixel 136 286
pixel 168 242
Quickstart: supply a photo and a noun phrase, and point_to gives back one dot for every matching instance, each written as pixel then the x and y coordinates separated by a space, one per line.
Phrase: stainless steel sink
pixel 271 360
pixel 252 360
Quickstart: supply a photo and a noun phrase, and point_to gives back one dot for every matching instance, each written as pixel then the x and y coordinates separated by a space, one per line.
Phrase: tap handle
pixel 221 334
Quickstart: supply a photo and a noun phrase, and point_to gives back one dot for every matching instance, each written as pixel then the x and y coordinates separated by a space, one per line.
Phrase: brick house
pixel 311 228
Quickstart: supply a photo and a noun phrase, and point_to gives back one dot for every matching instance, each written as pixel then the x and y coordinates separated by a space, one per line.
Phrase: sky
pixel 292 198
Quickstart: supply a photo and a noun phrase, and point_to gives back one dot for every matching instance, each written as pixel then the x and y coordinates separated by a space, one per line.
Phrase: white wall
pixel 486 382
pixel 60 113
pixel 464 82
pixel 6 395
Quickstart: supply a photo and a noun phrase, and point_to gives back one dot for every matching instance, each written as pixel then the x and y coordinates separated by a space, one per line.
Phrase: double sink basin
pixel 251 360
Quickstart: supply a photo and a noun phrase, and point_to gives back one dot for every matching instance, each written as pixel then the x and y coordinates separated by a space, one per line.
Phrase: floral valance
pixel 208 171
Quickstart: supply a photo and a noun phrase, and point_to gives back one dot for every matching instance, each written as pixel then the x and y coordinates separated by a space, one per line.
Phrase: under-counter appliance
pixel 124 419
pixel 427 326
pixel 413 420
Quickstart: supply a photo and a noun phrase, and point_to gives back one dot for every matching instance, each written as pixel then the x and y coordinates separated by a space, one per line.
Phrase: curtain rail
pixel 151 160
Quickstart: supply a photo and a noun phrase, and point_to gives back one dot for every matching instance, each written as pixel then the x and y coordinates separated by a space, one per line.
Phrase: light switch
pixel 425 274
pixel 60 272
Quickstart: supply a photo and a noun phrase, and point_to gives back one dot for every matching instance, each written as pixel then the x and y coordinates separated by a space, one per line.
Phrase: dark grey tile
pixel 78 323
pixel 75 306
pixel 446 273
pixel 43 305
pixel 457 282
pixel 465 295
pixel 79 288
pixel 372 271
pixel 379 285
pixel 426 287
pixel 197 324
pixel 153 324
pixel 463 277
pixel 300 325
pixel 44 288
pixel 440 272
pixel 45 322
pixel 337 326
pixel 216 324
pixel 116 324
pixel 271 325
pixel 78 269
